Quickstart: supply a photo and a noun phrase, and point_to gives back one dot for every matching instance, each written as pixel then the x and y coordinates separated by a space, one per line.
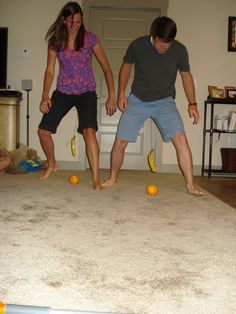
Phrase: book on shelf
pixel 232 122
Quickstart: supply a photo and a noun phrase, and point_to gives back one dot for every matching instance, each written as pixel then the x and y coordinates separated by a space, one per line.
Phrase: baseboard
pixel 75 165
pixel 175 169
pixel 69 165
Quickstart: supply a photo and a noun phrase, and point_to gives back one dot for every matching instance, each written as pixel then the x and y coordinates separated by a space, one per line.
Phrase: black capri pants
pixel 86 106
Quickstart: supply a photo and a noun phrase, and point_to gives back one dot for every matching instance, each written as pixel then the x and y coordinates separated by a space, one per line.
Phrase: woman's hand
pixel 45 105
pixel 111 105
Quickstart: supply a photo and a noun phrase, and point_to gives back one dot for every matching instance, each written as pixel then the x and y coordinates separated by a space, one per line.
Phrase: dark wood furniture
pixel 212 102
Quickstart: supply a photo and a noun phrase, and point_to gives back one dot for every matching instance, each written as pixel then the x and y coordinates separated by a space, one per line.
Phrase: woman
pixel 73 47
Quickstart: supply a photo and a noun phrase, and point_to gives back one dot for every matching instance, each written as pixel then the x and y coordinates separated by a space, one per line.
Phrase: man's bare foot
pixel 193 190
pixel 97 186
pixel 108 183
pixel 47 172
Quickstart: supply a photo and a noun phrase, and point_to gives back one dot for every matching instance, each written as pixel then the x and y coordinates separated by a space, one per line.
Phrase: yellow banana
pixel 73 146
pixel 151 161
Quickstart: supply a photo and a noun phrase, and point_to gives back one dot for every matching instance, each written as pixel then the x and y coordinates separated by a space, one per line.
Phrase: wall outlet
pixel 25 53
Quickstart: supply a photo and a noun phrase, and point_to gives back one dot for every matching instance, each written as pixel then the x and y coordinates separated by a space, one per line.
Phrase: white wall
pixel 202 27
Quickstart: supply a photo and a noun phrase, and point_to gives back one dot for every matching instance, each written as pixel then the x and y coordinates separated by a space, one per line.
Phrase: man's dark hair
pixel 164 28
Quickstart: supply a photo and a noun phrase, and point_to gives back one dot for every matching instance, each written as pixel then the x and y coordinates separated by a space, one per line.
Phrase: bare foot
pixel 108 183
pixel 47 172
pixel 2 172
pixel 194 191
pixel 97 186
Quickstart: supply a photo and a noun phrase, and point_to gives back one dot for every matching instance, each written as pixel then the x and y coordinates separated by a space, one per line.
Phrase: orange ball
pixel 152 189
pixel 74 180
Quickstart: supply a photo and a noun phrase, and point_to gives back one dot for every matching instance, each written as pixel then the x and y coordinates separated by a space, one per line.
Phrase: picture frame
pixel 232 33
pixel 231 93
pixel 228 88
pixel 215 92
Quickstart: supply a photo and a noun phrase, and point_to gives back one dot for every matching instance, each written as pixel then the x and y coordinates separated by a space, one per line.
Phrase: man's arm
pixel 124 76
pixel 189 89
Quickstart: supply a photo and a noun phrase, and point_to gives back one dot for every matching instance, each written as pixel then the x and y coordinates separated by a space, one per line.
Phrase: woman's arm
pixel 102 59
pixel 45 103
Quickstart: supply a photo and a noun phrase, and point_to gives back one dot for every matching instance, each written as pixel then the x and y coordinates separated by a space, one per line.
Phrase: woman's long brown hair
pixel 57 35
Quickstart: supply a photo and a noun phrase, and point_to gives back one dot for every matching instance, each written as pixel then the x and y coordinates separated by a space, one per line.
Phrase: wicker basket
pixel 228 156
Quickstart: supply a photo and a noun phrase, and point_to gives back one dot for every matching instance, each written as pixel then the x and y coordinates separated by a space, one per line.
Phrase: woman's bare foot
pixel 109 182
pixel 47 172
pixel 97 186
pixel 193 190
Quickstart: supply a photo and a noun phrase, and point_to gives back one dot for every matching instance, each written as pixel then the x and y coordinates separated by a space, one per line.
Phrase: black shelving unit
pixel 211 102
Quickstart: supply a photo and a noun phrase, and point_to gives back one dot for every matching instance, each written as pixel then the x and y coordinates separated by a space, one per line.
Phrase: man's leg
pixel 117 157
pixel 48 148
pixel 131 121
pixel 92 150
pixel 184 157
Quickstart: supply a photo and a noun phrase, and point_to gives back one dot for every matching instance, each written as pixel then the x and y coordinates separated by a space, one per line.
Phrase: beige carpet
pixel 118 250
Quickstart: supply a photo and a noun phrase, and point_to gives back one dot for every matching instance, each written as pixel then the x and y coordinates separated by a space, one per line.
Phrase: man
pixel 156 59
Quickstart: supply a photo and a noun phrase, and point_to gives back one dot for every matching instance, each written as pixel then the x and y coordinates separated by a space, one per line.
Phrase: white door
pixel 116 28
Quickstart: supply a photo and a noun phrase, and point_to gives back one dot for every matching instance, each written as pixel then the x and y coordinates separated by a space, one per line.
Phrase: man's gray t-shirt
pixel 155 74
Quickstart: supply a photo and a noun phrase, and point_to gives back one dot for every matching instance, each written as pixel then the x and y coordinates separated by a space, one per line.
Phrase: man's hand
pixel 193 113
pixel 122 102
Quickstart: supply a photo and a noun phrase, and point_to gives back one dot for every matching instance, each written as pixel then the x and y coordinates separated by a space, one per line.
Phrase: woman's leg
pixel 48 148
pixel 92 150
pixel 61 105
